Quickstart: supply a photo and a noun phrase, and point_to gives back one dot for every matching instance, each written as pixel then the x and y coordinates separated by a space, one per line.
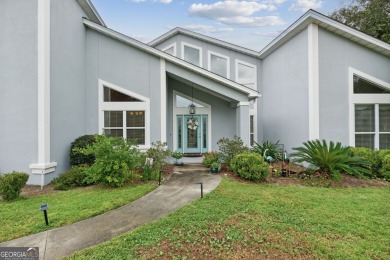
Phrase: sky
pixel 251 24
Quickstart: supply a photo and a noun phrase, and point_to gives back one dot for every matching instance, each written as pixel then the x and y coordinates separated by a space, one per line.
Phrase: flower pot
pixel 179 161
pixel 214 170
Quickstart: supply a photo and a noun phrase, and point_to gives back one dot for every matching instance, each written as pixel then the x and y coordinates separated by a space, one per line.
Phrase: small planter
pixel 179 161
pixel 214 170
pixel 215 167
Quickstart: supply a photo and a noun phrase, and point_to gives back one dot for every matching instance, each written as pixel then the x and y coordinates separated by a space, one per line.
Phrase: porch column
pixel 242 121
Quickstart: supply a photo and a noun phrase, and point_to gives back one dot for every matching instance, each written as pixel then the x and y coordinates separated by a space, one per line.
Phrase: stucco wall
pixel 336 55
pixel 67 93
pixel 18 76
pixel 126 67
pixel 285 93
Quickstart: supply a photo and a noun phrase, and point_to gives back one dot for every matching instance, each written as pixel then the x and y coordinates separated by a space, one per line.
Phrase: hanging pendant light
pixel 192 107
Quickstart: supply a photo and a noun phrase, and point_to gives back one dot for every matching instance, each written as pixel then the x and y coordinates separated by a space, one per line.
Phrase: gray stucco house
pixel 65 74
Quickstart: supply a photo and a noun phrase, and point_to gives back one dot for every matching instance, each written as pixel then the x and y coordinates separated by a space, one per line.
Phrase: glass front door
pixel 192 133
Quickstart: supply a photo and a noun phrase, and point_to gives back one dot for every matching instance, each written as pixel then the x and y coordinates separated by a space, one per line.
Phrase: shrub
pixel 209 158
pixel 78 158
pixel 331 159
pixel 273 149
pixel 11 184
pixel 250 166
pixel 75 177
pixel 371 156
pixel 385 171
pixel 115 159
pixel 159 153
pixel 229 148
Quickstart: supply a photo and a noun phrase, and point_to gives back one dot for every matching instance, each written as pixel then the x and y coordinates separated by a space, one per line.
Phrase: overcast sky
pixel 251 24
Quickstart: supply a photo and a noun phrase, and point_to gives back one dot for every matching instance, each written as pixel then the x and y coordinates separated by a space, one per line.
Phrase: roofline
pixel 202 37
pixel 144 47
pixel 91 11
pixel 312 16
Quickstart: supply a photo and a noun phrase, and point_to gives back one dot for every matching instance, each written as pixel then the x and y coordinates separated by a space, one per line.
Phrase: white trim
pixel 163 94
pixel 136 44
pixel 313 82
pixel 124 106
pixel 227 58
pixel 356 99
pixel 183 44
pixel 202 37
pixel 236 62
pixel 242 104
pixel 206 110
pixel 43 166
pixel 173 45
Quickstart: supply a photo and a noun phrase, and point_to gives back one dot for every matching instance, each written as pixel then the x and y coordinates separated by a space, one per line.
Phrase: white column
pixel 163 89
pixel 242 122
pixel 313 82
pixel 43 165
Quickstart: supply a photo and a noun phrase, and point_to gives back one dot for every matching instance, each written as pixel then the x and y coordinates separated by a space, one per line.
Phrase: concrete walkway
pixel 179 190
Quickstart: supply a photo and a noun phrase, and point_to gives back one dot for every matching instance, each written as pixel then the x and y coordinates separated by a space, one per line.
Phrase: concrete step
pixel 191 168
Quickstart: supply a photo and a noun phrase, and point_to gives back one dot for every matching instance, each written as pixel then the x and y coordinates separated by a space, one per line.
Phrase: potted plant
pixel 215 166
pixel 178 156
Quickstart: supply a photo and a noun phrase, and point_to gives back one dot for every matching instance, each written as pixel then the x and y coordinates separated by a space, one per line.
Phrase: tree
pixel 369 16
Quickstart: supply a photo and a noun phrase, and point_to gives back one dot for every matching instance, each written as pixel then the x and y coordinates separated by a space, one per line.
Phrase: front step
pixel 191 168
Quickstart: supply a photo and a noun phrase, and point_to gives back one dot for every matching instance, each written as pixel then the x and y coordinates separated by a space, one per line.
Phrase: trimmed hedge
pixel 377 160
pixel 76 157
pixel 75 177
pixel 11 184
pixel 250 166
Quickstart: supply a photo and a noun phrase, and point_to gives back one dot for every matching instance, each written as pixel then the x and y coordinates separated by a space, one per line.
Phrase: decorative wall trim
pixel 313 82
pixel 163 108
pixel 43 166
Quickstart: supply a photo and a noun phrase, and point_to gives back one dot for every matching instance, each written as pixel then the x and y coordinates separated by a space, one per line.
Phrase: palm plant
pixel 330 159
pixel 273 149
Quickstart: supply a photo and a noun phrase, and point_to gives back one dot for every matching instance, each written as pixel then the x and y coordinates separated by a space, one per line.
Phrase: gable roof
pixel 202 37
pixel 305 20
pixel 146 48
pixel 91 12
pixel 334 26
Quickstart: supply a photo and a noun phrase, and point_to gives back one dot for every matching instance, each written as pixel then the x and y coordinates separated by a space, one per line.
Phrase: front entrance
pixel 192 133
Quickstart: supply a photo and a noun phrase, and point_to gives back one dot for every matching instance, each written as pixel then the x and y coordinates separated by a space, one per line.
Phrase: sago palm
pixel 330 159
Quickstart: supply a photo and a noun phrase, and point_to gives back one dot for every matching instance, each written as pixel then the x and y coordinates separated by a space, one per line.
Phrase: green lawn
pixel 23 217
pixel 253 221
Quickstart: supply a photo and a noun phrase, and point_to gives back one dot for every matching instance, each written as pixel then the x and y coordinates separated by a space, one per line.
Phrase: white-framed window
pixel 170 49
pixel 219 64
pixel 251 130
pixel 123 113
pixel 369 111
pixel 246 74
pixel 191 54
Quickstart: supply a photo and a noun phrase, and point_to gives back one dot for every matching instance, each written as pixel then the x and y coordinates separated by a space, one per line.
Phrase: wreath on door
pixel 192 124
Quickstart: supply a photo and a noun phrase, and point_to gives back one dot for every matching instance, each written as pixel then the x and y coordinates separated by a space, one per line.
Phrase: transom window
pixel 246 74
pixel 192 54
pixel 184 102
pixel 171 49
pixel 370 103
pixel 219 64
pixel 124 114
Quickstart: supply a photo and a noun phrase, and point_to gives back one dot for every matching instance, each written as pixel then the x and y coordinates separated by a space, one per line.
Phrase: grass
pixel 251 221
pixel 23 216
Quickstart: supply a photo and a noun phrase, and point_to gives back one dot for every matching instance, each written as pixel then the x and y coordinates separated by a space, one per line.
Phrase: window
pixel 364 86
pixel 251 130
pixel 219 64
pixel 171 49
pixel 124 114
pixel 367 129
pixel 184 102
pixel 192 54
pixel 246 74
